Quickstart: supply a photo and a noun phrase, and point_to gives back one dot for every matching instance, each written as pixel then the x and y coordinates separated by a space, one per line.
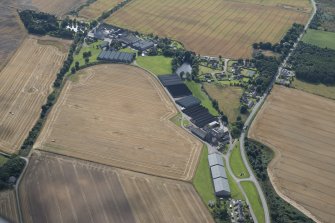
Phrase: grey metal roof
pixel 188 101
pixel 198 132
pixel 221 184
pixel 168 80
pixel 215 159
pixel 218 171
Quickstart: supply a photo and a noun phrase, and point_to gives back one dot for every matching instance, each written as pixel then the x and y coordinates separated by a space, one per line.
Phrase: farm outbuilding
pixel 221 187
pixel 143 45
pixel 198 132
pixel 218 171
pixel 129 39
pixel 119 57
pixel 188 101
pixel 175 85
pixel 215 159
pixel 200 115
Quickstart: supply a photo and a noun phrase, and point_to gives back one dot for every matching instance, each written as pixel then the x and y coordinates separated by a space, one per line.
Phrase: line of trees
pixel 280 211
pixel 105 15
pixel 12 168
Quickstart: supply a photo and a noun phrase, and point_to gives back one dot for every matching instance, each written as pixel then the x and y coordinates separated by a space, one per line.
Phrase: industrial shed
pixel 129 39
pixel 188 102
pixel 198 132
pixel 174 85
pixel 218 171
pixel 118 57
pixel 215 159
pixel 221 187
pixel 200 115
pixel 143 45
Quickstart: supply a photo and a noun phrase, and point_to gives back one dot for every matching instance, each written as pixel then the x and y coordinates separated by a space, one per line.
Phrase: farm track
pixel 24 89
pixel 303 139
pixel 227 28
pixel 82 191
pixel 134 120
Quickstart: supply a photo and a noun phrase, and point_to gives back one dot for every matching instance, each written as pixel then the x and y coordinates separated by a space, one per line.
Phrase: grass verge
pixel 197 92
pixel 236 163
pixel 234 189
pixel 202 180
pixel 158 65
pixel 255 202
pixel 318 89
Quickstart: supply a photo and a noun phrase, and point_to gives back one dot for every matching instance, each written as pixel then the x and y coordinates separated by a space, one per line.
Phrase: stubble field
pixel 59 189
pixel 119 115
pixel 25 84
pixel 11 30
pixel 227 28
pixel 300 127
pixel 95 9
pixel 8 208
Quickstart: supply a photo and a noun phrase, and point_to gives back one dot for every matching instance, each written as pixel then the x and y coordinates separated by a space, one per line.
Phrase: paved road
pixel 252 115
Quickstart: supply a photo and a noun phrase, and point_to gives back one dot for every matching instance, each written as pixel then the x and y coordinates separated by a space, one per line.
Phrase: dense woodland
pixel 314 64
pixel 281 212
pixel 12 168
pixel 325 16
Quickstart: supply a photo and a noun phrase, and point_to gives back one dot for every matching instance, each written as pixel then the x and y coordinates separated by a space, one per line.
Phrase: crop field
pixel 25 84
pixel 320 38
pixel 119 115
pixel 8 208
pixel 300 127
pixel 59 189
pixel 95 9
pixel 11 30
pixel 55 7
pixel 213 27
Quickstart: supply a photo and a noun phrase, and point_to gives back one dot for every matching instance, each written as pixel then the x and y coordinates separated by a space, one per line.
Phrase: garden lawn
pixel 202 180
pixel 255 201
pixel 158 65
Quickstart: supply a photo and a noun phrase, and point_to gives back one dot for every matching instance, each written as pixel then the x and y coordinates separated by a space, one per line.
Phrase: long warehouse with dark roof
pixel 188 101
pixel 120 57
pixel 174 85
pixel 199 115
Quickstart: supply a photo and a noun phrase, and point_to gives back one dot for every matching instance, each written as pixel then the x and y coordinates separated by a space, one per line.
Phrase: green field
pixel 3 160
pixel 202 180
pixel 156 64
pixel 255 201
pixel 93 47
pixel 205 70
pixel 318 89
pixel 128 50
pixel 235 191
pixel 236 163
pixel 195 88
pixel 320 38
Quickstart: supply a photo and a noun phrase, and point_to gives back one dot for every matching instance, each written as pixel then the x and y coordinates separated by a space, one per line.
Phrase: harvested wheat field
pixel 55 7
pixel 25 84
pixel 8 208
pixel 59 189
pixel 95 9
pixel 300 127
pixel 119 115
pixel 214 27
pixel 11 30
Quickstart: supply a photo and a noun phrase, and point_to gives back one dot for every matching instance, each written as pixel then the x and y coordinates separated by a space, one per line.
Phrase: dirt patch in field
pixel 227 28
pixel 8 208
pixel 300 127
pixel 12 31
pixel 25 84
pixel 119 115
pixel 59 189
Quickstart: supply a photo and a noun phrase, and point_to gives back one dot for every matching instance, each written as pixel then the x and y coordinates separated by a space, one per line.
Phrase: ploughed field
pixel 96 9
pixel 11 30
pixel 300 127
pixel 214 27
pixel 119 115
pixel 59 189
pixel 25 84
pixel 8 208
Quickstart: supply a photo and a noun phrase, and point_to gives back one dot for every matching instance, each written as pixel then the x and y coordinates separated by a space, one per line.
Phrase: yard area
pixel 236 163
pixel 254 200
pixel 202 180
pixel 158 65
pixel 320 38
pixel 228 98
pixel 197 92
